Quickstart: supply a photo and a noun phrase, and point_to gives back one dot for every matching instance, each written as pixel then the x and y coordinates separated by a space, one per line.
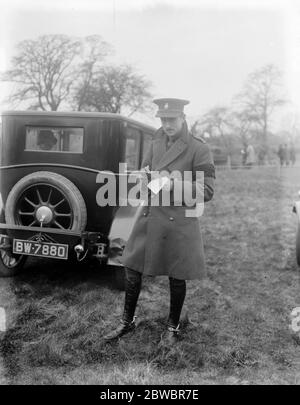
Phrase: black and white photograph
pixel 149 195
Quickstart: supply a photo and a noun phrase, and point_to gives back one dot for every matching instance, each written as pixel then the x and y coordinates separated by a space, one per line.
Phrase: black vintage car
pixel 49 179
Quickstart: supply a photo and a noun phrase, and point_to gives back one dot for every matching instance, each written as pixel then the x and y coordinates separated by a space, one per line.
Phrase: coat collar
pixel 161 156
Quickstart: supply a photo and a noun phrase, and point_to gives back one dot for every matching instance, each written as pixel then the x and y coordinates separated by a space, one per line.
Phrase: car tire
pixel 298 245
pixel 10 265
pixel 65 186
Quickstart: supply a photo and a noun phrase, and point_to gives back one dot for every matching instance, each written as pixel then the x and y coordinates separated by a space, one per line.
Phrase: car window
pixel 54 139
pixel 133 138
pixel 147 139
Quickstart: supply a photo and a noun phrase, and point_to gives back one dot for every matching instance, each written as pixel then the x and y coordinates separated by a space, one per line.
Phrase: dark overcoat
pixel 164 241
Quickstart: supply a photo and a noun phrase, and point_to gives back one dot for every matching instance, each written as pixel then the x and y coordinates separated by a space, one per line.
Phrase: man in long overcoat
pixel 165 239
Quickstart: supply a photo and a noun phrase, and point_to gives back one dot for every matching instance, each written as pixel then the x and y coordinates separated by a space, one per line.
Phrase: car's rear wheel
pixel 10 264
pixel 46 198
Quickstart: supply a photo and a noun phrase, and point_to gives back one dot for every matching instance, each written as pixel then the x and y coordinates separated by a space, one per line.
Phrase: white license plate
pixel 41 249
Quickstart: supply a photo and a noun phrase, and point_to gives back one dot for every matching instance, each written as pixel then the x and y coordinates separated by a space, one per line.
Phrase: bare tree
pixel 55 71
pixel 42 71
pixel 116 89
pixel 216 122
pixel 46 70
pixel 241 123
pixel 260 97
pixel 291 124
pixel 93 52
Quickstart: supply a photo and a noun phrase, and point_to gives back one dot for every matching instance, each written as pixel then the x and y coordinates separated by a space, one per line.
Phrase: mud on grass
pixel 235 324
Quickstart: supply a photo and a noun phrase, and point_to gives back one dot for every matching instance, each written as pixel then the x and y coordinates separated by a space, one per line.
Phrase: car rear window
pixel 54 139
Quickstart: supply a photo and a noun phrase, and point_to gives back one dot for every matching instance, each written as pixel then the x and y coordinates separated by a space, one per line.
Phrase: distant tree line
pixel 249 116
pixel 59 72
pixel 56 72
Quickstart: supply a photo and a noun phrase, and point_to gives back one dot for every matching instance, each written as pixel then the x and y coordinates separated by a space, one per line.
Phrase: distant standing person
pixel 261 156
pixel 250 156
pixel 281 154
pixel 286 155
pixel 292 154
pixel 244 155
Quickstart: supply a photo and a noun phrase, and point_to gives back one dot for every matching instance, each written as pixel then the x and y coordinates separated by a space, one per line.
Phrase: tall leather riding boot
pixel 133 283
pixel 177 297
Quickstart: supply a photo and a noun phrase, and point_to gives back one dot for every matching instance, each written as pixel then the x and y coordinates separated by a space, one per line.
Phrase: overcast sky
pixel 198 50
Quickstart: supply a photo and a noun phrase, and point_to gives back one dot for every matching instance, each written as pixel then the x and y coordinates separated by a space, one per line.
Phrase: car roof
pixel 78 114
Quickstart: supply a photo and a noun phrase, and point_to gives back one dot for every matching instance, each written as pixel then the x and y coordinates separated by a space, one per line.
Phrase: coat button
pixel 145 214
pixel 171 219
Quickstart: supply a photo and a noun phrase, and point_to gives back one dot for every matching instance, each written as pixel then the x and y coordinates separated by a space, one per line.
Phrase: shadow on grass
pixel 40 276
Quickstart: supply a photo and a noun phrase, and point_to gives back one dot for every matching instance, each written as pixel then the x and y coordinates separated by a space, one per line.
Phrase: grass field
pixel 235 323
